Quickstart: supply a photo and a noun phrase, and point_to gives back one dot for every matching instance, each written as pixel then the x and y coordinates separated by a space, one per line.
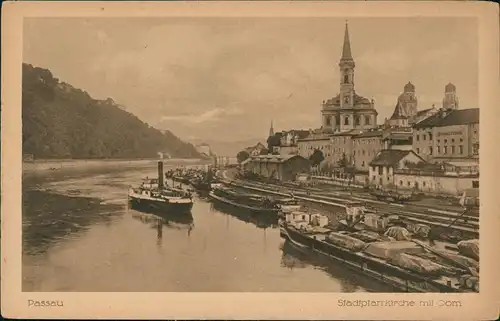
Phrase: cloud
pixel 213 115
pixel 211 76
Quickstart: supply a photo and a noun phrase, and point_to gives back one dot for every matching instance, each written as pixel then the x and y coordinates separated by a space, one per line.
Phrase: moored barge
pixel 392 262
pixel 246 201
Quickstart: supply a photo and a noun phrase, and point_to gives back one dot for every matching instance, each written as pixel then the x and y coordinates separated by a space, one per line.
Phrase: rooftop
pixel 272 158
pixel 389 157
pixel 371 133
pixel 450 117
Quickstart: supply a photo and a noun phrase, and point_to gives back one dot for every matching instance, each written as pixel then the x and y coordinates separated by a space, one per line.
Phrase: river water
pixel 79 235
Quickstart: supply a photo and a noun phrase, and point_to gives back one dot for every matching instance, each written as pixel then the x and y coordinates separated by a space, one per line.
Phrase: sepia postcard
pixel 250 160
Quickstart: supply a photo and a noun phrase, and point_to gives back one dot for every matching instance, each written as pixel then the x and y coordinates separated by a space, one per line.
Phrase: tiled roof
pixel 372 133
pixel 452 117
pixel 273 158
pixel 389 157
pixel 398 113
pixel 422 112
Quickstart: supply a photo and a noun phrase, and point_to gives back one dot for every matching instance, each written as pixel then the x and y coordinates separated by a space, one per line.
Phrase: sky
pixel 225 79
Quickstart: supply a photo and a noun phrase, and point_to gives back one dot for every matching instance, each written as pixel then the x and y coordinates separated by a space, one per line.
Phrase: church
pixel 348 110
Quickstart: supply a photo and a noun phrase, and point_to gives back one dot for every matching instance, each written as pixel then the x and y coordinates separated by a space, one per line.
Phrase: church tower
pixel 347 110
pixel 346 65
pixel 271 130
pixel 450 99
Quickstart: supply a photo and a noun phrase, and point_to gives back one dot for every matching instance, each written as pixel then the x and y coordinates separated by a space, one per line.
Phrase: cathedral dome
pixel 450 88
pixel 409 87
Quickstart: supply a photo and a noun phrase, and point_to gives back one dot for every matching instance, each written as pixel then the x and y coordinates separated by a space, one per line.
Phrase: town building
pixel 255 150
pixel 365 146
pixel 384 164
pixel 451 135
pixel 405 170
pixel 307 146
pixel 284 168
pixel 288 141
pixel 423 114
pixel 348 110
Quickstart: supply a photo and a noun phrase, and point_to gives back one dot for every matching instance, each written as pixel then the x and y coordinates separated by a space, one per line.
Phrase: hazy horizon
pixel 225 79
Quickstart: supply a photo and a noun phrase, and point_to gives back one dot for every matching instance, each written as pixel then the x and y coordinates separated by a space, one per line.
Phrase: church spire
pixel 271 129
pixel 346 50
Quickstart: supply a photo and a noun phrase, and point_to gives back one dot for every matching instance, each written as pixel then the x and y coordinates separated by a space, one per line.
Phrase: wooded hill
pixel 60 121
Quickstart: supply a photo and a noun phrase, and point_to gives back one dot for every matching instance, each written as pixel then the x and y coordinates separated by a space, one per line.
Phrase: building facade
pixel 366 146
pixel 386 162
pixel 307 146
pixel 348 110
pixel 448 135
pixel 284 168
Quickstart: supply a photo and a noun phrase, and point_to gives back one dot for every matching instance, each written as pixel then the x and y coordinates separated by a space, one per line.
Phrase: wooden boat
pixel 315 239
pixel 250 202
pixel 287 205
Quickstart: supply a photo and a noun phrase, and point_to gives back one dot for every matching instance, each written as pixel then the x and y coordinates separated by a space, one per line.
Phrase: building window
pixel 401 183
pixel 475 184
pixel 346 79
pixel 373 178
pixel 367 120
pixel 430 150
pixel 328 121
pixel 380 181
pixel 418 138
pixel 453 140
pixel 461 139
pixel 380 170
pixel 363 164
pixel 423 184
pixel 438 149
pixel 453 149
pixel 445 149
pixel 475 149
pixel 363 152
pixel 418 150
pixel 337 120
pixel 409 183
pixel 423 137
pixel 438 141
pixel 346 120
pixel 460 149
pixel 430 136
pixel 358 120
pixel 445 141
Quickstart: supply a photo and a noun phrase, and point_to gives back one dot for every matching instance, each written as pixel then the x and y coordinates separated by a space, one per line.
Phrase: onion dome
pixel 409 87
pixel 450 88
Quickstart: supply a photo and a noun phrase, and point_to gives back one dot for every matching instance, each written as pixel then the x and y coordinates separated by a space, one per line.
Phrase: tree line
pixel 60 121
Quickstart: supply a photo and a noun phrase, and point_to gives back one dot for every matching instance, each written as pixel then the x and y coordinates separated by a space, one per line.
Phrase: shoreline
pixel 54 164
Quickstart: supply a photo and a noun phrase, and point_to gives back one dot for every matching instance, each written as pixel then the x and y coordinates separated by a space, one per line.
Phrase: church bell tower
pixel 346 65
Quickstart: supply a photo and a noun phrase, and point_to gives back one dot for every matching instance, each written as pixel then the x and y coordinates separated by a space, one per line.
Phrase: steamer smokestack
pixel 160 174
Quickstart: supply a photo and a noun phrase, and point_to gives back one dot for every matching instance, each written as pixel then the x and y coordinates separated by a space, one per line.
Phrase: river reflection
pixel 260 220
pixel 80 235
pixel 294 257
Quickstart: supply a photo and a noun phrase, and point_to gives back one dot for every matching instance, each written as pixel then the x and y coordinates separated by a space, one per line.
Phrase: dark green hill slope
pixel 60 121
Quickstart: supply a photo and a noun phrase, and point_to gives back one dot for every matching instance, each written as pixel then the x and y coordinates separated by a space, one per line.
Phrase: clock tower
pixel 346 65
pixel 347 110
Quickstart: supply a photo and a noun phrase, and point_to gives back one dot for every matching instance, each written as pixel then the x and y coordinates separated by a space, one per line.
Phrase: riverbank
pixel 54 165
